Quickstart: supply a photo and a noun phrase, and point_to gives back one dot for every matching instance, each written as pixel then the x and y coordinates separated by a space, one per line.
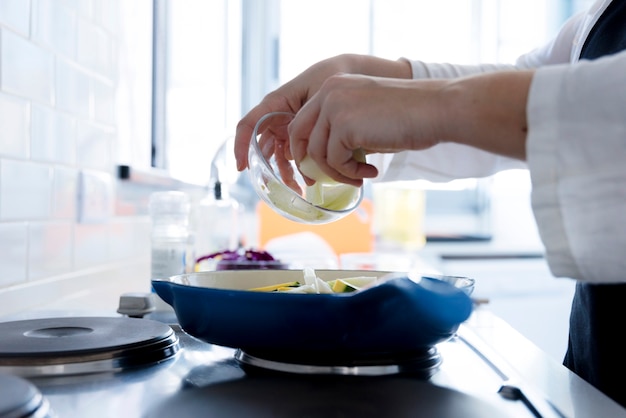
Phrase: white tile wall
pixel 60 72
pixel 94 144
pixel 53 136
pixel 54 25
pixel 104 101
pixel 26 190
pixel 73 93
pixel 13 257
pixel 15 122
pixel 27 69
pixel 50 249
pixel 95 48
pixel 64 193
pixel 15 14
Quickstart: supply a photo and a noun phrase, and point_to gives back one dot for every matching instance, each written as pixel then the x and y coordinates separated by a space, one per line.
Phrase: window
pixel 197 84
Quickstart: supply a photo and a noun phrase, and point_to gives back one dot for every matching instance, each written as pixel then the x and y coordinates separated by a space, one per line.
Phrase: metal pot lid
pixel 63 346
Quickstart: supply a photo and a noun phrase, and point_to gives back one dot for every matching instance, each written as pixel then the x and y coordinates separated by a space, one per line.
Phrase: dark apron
pixel 595 351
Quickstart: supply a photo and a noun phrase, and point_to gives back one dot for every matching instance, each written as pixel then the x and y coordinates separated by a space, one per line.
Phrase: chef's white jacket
pixel 576 152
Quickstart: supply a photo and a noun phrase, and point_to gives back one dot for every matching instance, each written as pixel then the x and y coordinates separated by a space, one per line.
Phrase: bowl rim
pixel 282 185
pixel 466 284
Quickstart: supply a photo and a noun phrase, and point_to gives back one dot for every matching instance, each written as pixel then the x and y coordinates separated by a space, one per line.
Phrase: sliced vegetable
pixel 326 192
pixel 335 196
pixel 276 287
pixel 341 286
pixel 313 284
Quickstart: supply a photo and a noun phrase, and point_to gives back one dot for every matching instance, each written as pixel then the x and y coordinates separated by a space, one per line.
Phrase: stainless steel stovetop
pixel 464 378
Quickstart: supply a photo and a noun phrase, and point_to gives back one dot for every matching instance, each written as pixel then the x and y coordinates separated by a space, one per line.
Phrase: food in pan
pixel 313 284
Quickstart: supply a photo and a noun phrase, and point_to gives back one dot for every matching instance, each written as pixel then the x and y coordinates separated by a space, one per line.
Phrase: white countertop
pixel 570 394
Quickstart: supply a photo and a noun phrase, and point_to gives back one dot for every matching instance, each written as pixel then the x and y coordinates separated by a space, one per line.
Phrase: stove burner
pixel 421 364
pixel 70 346
pixel 20 398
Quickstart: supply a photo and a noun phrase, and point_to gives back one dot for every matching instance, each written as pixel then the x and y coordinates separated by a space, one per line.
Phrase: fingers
pixel 243 133
pixel 285 168
pixel 246 126
pixel 327 138
pixel 300 128
pixel 269 126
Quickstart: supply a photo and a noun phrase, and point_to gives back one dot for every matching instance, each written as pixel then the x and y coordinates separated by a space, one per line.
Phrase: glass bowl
pixel 278 182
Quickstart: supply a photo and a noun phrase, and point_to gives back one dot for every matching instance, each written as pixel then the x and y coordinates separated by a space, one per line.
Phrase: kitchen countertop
pixel 529 364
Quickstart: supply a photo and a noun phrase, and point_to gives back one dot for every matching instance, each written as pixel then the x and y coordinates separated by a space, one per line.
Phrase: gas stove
pixel 115 366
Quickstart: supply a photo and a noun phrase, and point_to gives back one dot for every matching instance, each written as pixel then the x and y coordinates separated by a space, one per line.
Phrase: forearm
pixel 368 65
pixel 488 112
pixel 379 67
pixel 421 69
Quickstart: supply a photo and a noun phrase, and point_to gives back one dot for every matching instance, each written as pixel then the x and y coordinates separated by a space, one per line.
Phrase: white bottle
pixel 218 226
pixel 169 212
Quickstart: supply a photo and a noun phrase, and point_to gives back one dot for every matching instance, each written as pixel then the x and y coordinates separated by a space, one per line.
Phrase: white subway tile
pixel 16 15
pixel 129 239
pixel 94 197
pixel 94 145
pixel 82 7
pixel 95 48
pixel 27 70
pixel 53 136
pixel 104 102
pixel 108 12
pixel 50 249
pixel 54 25
pixel 26 190
pixel 91 245
pixel 72 89
pixel 64 193
pixel 15 121
pixel 13 253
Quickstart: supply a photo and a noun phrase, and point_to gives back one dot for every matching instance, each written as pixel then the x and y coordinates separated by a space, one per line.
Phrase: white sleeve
pixel 559 50
pixel 576 149
pixel 446 161
pixel 449 161
pixel 441 163
pixel 563 48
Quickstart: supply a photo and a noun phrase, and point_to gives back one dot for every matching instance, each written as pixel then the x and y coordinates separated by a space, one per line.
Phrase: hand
pixel 293 95
pixel 378 115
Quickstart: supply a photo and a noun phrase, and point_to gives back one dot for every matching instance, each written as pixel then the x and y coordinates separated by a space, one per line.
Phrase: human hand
pixel 378 115
pixel 293 95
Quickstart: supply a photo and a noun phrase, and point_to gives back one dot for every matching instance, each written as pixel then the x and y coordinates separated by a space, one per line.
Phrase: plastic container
pixel 217 226
pixel 169 212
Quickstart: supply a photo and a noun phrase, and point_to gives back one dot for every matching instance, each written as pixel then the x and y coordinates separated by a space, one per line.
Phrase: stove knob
pixel 136 304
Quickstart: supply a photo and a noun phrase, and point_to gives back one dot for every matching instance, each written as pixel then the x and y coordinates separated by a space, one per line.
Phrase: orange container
pixel 347 235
